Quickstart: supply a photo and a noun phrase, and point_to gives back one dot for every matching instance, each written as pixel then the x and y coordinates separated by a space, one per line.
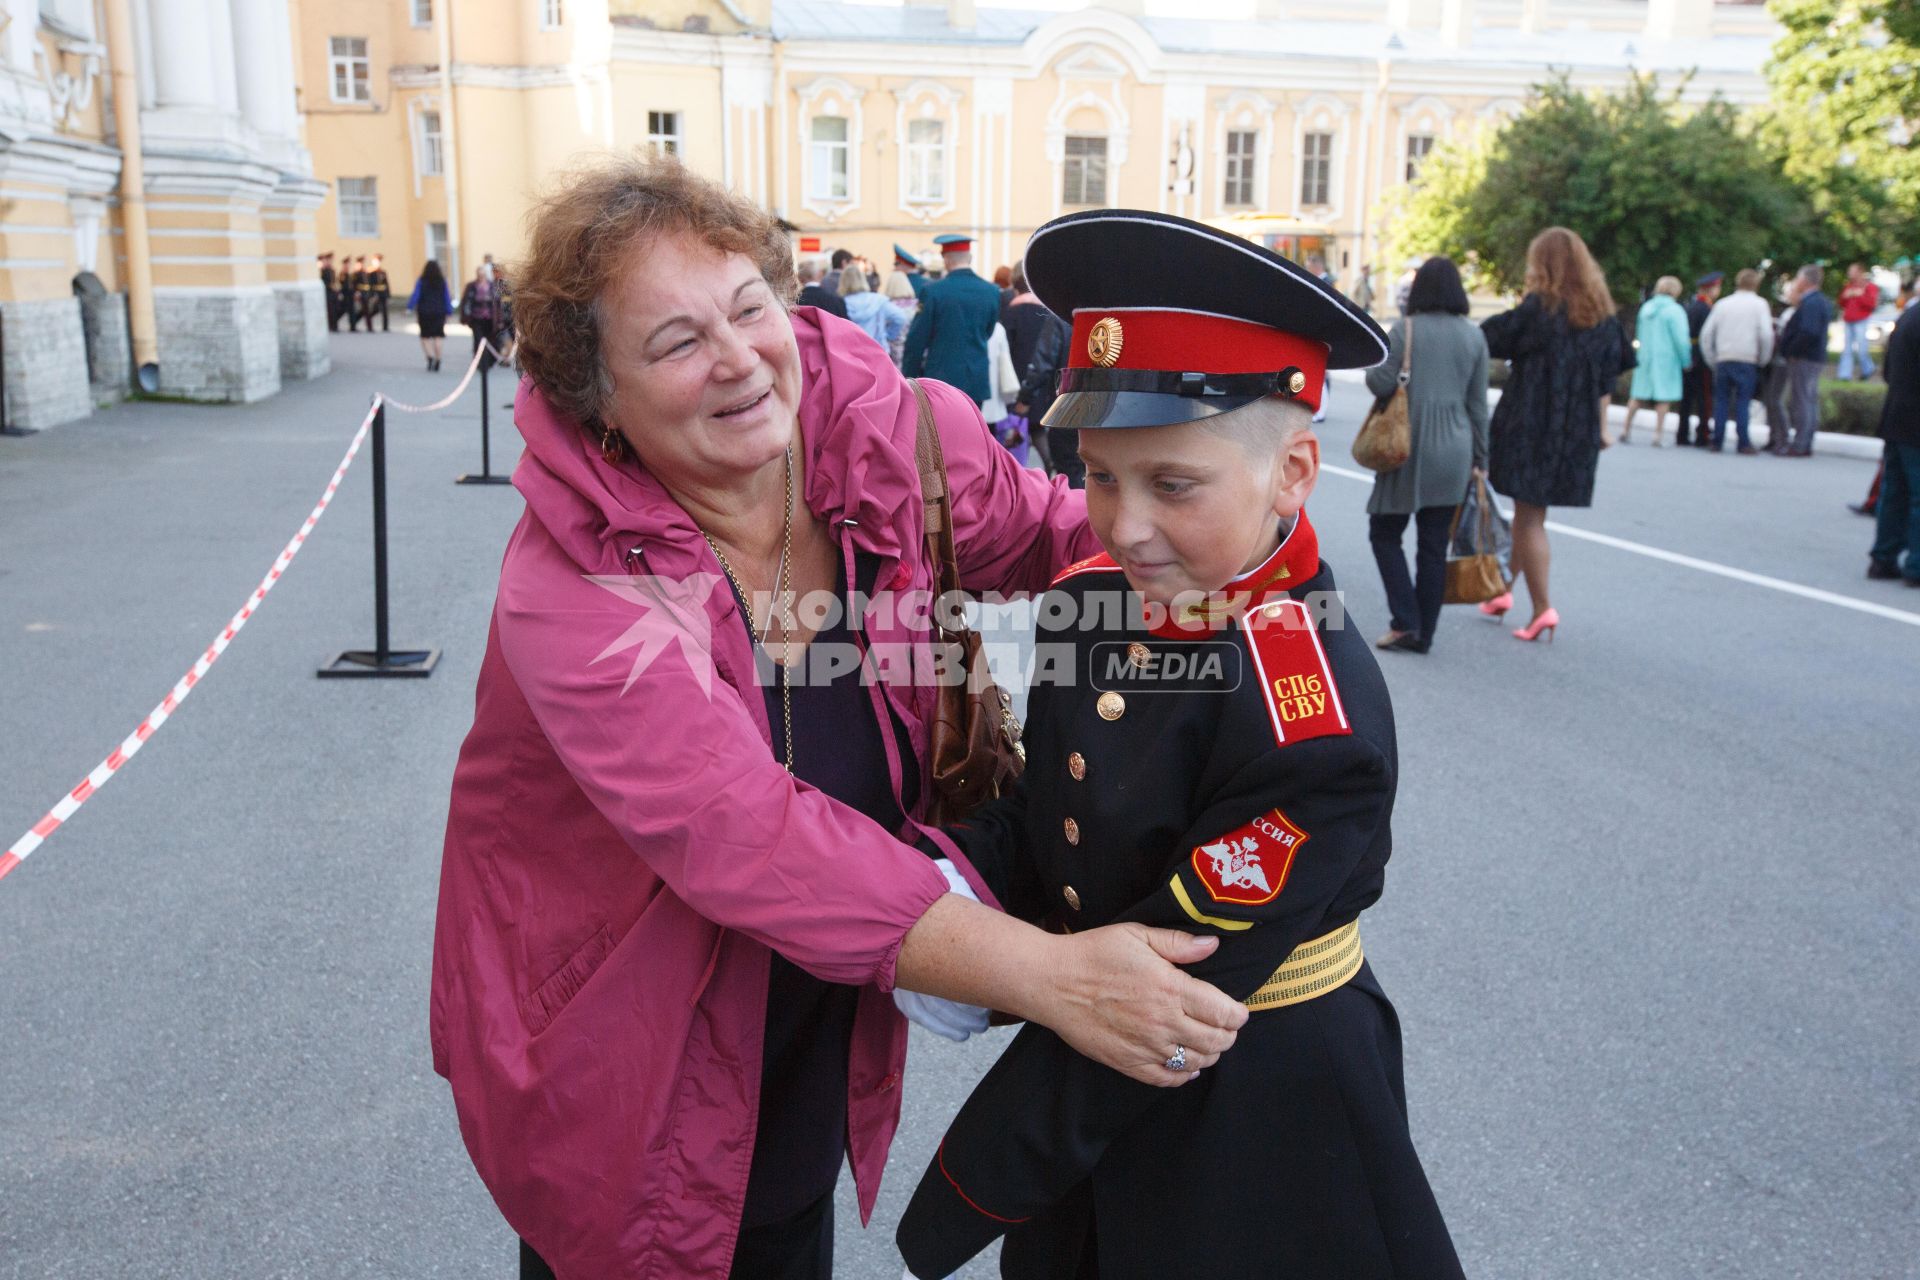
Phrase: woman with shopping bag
pixel 1446 392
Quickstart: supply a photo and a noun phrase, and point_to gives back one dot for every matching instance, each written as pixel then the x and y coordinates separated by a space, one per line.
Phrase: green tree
pixel 1845 112
pixel 1653 187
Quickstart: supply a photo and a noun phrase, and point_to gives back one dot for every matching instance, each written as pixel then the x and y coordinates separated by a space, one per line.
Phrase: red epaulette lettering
pixel 1295 676
pixel 1092 564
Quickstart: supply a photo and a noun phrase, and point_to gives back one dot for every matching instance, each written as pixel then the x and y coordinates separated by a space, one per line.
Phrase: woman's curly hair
pixel 583 233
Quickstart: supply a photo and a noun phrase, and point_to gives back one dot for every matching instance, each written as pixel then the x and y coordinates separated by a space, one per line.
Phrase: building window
pixel 432 157
pixel 359 208
pixel 1418 145
pixel 1316 169
pixel 827 159
pixel 422 13
pixel 1084 175
pixel 663 132
pixel 926 161
pixel 441 251
pixel 347 61
pixel 1240 144
pixel 550 15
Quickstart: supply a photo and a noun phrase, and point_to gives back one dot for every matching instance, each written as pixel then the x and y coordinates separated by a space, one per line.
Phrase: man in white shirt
pixel 1737 342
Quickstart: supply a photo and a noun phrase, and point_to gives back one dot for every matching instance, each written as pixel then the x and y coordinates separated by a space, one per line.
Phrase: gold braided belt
pixel 1315 967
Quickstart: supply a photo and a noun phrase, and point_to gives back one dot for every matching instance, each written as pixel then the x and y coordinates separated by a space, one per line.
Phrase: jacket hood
pixel 857 426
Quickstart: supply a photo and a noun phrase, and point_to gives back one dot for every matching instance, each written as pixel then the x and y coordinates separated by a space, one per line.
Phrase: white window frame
pixel 668 141
pixel 830 96
pixel 820 157
pixel 1419 147
pixel 420 12
pixel 926 162
pixel 1239 178
pixel 363 223
pixel 552 14
pixel 1316 171
pixel 1067 158
pixel 342 66
pixel 440 247
pixel 430 156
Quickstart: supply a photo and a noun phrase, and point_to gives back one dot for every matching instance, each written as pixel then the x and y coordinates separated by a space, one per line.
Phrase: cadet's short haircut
pixel 1262 427
pixel 583 233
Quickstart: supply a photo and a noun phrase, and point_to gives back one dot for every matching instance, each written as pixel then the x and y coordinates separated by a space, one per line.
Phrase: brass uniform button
pixel 1111 706
pixel 1297 383
pixel 1077 766
pixel 1138 654
pixel 1073 899
pixel 1072 830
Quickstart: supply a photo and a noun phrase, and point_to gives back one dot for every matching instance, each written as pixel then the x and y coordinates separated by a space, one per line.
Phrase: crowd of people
pixel 991 338
pixel 360 292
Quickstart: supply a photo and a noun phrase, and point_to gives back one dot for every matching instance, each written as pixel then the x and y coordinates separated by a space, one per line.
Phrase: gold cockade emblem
pixel 1103 343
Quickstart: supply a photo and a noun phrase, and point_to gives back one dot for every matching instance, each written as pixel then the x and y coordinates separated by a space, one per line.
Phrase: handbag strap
pixel 935 498
pixel 1406 356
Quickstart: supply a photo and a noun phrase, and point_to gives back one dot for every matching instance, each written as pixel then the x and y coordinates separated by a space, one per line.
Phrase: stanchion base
pixel 485 477
pixel 365 664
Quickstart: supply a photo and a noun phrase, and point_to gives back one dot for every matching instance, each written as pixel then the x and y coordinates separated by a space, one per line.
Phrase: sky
pixel 1155 8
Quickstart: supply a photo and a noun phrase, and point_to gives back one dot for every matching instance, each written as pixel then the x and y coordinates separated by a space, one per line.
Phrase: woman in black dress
pixel 1566 349
pixel 431 302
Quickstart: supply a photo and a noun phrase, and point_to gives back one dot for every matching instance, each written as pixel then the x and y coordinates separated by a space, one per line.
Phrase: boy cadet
pixel 1250 802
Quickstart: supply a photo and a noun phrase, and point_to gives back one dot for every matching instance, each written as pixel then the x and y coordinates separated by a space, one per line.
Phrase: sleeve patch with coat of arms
pixel 1249 866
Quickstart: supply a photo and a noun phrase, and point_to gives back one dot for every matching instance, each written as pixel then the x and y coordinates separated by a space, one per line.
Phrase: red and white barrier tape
pixel 473 367
pixel 104 771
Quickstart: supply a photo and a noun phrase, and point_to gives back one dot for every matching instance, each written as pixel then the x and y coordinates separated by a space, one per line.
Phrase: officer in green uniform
pixel 1210 747
pixel 916 271
pixel 948 337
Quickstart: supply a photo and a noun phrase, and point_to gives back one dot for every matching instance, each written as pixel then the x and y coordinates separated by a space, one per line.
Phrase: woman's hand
pixel 1114 995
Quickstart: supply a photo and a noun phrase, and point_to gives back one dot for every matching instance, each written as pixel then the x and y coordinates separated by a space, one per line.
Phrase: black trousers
pixel 1696 402
pixel 1415 602
pixel 799 1247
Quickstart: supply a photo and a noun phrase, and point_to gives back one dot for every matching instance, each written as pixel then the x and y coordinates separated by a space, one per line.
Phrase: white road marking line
pixel 1694 562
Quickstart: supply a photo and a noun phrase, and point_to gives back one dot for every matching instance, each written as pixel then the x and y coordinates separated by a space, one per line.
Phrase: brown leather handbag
pixel 975 746
pixel 1385 441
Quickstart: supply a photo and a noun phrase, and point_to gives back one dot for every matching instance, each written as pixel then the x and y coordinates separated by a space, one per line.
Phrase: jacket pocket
pixel 544 1003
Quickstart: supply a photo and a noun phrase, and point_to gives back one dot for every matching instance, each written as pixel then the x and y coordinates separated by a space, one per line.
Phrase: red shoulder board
pixel 1249 866
pixel 1092 564
pixel 1295 677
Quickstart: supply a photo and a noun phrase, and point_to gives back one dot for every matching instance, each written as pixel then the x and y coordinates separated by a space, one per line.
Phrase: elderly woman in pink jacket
pixel 681 875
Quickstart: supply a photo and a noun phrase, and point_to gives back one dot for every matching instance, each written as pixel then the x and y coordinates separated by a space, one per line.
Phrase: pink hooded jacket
pixel 623 849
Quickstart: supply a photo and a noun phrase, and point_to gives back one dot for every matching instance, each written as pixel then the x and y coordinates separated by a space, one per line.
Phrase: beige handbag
pixel 1386 437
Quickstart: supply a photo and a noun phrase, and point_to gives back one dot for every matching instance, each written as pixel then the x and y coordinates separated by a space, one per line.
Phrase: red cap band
pixel 1188 342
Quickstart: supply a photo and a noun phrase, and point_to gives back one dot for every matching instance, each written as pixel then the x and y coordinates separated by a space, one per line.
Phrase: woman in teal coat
pixel 1665 354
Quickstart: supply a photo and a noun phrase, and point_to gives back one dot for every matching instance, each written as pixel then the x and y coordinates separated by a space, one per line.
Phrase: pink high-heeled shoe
pixel 1497 607
pixel 1546 622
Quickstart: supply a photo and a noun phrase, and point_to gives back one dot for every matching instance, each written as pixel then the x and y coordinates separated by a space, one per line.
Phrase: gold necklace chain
pixel 783 589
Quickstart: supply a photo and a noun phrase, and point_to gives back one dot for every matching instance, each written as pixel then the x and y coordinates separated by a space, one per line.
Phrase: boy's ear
pixel 1295 471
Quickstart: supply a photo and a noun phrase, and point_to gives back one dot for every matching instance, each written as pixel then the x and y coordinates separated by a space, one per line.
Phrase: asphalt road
pixel 1651 922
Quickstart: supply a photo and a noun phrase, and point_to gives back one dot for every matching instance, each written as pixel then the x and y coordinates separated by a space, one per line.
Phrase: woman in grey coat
pixel 1447 409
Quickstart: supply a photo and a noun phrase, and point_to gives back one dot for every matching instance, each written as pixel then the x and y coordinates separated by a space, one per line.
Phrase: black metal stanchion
pixel 382 659
pixel 486 475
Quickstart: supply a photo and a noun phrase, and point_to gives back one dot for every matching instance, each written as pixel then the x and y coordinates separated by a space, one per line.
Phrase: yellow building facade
pixel 156 204
pixel 437 122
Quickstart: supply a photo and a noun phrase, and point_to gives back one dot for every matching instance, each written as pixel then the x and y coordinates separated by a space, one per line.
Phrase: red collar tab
pixel 1190 342
pixel 1292 564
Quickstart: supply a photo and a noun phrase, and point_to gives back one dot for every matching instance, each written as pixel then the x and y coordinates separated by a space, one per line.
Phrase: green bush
pixel 1852 408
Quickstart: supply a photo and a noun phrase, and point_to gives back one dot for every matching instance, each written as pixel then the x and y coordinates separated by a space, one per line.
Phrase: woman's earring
pixel 612 447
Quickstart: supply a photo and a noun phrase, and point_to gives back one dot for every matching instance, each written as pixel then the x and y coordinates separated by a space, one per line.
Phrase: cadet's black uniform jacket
pixel 1255 806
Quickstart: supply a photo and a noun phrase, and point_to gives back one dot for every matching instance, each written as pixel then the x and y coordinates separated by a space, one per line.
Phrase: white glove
pixel 946 1018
